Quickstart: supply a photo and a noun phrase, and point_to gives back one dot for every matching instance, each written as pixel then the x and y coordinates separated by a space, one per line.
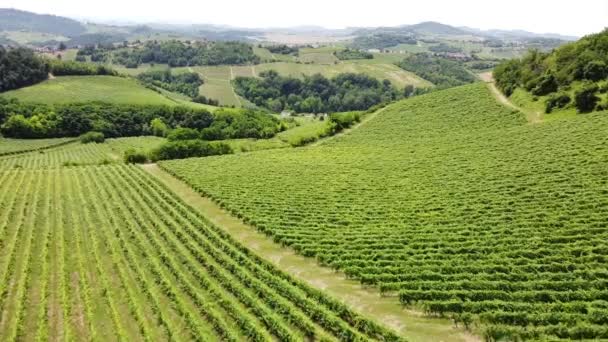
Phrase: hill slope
pixel 68 89
pixel 450 199
pixel 16 20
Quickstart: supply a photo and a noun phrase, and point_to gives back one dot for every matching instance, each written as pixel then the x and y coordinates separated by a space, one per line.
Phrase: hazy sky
pixel 567 17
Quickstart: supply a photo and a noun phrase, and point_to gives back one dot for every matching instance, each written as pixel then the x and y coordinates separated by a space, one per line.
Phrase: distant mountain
pixel 514 34
pixel 16 20
pixel 435 28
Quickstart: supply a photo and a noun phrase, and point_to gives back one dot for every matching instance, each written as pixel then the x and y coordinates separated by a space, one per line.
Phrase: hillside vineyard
pixel 448 200
pixel 107 253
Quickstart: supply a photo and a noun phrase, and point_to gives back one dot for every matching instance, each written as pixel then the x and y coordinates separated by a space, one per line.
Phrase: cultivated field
pixel 449 201
pixel 69 89
pixel 103 251
pixel 14 146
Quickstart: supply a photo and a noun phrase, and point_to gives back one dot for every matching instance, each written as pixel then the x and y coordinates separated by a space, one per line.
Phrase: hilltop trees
pixel 444 73
pixel 578 69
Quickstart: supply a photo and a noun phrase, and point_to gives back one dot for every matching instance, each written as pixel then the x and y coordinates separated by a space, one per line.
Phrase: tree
pixel 158 127
pixel 62 46
pixel 585 98
pixel 595 71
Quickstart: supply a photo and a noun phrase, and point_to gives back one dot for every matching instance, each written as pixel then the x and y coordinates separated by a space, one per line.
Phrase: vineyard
pixel 448 201
pixel 92 249
pixel 16 146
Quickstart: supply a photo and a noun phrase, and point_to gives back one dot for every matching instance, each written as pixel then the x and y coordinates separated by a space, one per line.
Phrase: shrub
pixel 188 149
pixel 134 157
pixel 559 100
pixel 158 127
pixel 344 120
pixel 92 137
pixel 585 98
pixel 183 133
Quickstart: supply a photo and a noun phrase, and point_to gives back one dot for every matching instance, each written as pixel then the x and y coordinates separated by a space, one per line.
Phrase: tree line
pixel 352 54
pixel 30 120
pixel 316 93
pixel 186 83
pixel 577 70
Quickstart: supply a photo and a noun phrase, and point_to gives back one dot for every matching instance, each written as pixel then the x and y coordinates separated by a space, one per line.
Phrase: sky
pixel 577 18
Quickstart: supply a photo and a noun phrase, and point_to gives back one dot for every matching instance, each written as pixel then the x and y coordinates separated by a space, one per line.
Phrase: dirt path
pixel 531 116
pixel 232 88
pixel 368 301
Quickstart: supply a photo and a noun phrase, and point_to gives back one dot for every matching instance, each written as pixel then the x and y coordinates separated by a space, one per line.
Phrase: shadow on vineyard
pixel 448 201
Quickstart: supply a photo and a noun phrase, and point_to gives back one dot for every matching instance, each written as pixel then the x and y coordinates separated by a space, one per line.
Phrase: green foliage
pixel 546 73
pixel 347 54
pixel 442 72
pixel 229 124
pixel 177 54
pixel 185 83
pixel 558 100
pixel 344 120
pixel 20 67
pixel 75 68
pixel 205 100
pixel 183 133
pixel 158 127
pixel 283 49
pixel 92 137
pixel 443 47
pixel 188 149
pixel 133 156
pixel 585 98
pixel 316 93
pixel 382 40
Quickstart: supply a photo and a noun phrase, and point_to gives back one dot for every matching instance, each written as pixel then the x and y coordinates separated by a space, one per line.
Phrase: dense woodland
pixel 442 72
pixel 575 72
pixel 177 53
pixel 28 120
pixel 352 54
pixel 186 83
pixel 316 93
pixel 20 68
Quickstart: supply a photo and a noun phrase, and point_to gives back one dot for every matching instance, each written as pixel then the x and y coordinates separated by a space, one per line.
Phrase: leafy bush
pixel 585 98
pixel 344 120
pixel 183 133
pixel 188 149
pixel 283 49
pixel 204 100
pixel 559 100
pixel 92 137
pixel 158 127
pixel 133 156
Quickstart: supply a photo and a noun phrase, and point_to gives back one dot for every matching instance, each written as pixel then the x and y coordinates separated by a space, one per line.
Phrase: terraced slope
pixel 450 201
pixel 106 252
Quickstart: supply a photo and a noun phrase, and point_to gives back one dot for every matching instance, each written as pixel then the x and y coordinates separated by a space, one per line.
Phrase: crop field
pixel 68 89
pixel 449 202
pixel 104 251
pixel 14 146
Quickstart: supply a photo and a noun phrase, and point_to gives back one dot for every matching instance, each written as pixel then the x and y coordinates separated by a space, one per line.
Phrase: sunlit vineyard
pixel 106 253
pixel 449 201
pixel 14 146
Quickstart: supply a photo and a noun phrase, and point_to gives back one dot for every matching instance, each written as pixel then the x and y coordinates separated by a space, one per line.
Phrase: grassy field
pixel 67 89
pixel 23 37
pixel 104 251
pixel 14 146
pixel 450 202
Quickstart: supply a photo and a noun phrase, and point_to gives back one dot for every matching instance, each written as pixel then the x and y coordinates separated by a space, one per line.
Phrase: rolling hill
pixel 16 20
pixel 449 201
